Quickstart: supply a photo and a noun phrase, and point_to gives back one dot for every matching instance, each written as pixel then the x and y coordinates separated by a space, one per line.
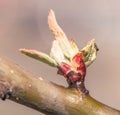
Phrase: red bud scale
pixel 73 75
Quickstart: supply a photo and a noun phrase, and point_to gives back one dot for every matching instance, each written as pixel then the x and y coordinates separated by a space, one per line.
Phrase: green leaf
pixel 39 56
pixel 89 52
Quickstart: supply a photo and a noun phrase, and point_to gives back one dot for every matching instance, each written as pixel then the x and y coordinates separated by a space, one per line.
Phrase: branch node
pixel 5 90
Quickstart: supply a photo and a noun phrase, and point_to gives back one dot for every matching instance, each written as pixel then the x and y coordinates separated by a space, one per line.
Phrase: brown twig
pixel 32 91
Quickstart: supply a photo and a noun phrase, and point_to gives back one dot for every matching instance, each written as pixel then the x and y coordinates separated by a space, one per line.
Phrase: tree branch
pixel 49 98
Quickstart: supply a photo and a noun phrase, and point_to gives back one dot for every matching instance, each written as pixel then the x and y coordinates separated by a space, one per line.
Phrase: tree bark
pixel 47 97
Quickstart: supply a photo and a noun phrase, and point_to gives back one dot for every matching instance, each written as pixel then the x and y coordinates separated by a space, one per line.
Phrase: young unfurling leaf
pixel 89 52
pixel 60 36
pixel 39 56
pixel 57 54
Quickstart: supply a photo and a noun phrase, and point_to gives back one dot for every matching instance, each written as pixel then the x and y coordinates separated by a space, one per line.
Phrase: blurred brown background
pixel 23 24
